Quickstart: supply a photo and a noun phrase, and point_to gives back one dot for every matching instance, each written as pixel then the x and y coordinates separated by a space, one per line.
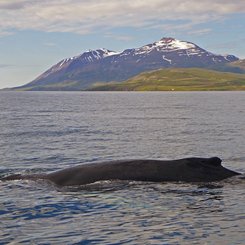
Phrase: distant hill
pixel 178 79
pixel 238 64
pixel 103 65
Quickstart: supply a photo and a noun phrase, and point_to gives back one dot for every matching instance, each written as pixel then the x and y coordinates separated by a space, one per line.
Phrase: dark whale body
pixel 186 170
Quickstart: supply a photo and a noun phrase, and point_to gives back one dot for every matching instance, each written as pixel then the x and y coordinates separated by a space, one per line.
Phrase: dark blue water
pixel 42 132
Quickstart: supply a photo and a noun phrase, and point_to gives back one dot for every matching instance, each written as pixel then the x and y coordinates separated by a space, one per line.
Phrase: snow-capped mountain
pixel 102 65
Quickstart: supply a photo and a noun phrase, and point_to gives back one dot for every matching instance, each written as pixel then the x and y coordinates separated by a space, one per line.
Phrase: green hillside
pixel 178 79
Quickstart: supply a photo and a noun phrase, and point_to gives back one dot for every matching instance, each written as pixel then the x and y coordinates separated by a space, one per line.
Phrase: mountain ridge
pixel 103 65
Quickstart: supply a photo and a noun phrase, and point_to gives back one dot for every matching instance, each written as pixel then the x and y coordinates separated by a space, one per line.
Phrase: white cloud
pixel 82 17
pixel 200 32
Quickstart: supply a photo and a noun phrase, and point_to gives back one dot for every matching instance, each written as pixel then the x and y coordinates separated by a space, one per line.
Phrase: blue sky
pixel 35 35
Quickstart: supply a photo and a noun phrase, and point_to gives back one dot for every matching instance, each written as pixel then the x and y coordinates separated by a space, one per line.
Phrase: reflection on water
pixel 121 212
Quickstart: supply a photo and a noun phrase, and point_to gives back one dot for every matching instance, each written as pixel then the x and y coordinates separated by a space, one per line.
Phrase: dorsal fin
pixel 214 161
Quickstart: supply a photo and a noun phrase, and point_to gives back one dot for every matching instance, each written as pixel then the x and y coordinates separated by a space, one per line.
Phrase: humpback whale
pixel 185 170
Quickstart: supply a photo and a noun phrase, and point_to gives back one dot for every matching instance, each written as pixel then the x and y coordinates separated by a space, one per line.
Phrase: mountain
pixel 102 65
pixel 178 79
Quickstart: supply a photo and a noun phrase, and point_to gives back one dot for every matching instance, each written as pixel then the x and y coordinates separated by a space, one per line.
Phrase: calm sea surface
pixel 46 131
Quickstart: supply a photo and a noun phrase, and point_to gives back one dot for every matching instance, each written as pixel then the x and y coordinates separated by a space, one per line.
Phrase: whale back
pixel 187 170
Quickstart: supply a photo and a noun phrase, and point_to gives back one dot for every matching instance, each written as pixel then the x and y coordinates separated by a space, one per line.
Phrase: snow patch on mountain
pixel 173 44
pixel 168 45
pixel 168 60
pixel 101 53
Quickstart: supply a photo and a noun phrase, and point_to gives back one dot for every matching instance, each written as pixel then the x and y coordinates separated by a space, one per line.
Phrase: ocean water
pixel 46 131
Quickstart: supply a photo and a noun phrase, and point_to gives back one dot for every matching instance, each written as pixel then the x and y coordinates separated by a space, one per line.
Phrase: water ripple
pixel 42 132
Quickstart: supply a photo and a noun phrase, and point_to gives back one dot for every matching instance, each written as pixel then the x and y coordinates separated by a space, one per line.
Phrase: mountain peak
pixel 101 52
pixel 97 54
pixel 174 44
